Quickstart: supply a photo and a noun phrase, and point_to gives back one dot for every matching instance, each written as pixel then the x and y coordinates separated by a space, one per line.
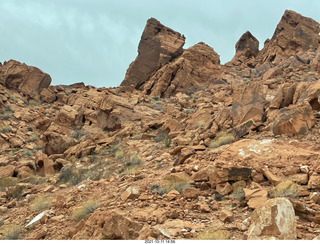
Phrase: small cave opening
pixel 315 104
pixel 272 58
pixel 57 167
pixel 40 164
pixel 15 174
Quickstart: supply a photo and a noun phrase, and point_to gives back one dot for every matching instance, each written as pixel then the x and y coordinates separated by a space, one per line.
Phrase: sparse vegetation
pixel 40 203
pixel 34 137
pixel 11 232
pixel 6 129
pixel 161 136
pixel 78 133
pixel 119 154
pixel 222 138
pixel 156 103
pixel 83 210
pixel 189 110
pixel 26 153
pixel 213 234
pixel 238 194
pixel 136 137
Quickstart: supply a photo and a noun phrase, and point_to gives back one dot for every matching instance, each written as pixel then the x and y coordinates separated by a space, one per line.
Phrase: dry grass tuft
pixel 83 210
pixel 40 203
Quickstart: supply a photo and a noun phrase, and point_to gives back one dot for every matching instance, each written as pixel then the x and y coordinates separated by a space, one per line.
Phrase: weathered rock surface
pixel 247 48
pixel 27 79
pixel 294 33
pixel 197 66
pixel 275 220
pixel 158 46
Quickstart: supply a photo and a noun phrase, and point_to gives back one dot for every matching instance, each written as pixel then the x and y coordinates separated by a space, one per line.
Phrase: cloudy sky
pixel 94 41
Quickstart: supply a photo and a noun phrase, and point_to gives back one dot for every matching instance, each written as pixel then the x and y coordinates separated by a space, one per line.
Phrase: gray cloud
pixel 94 41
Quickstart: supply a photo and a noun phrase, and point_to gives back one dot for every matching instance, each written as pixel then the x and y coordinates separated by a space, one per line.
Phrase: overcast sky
pixel 94 41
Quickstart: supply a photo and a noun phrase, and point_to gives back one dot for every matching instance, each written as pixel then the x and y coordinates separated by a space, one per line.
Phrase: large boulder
pixel 197 66
pixel 118 227
pixel 294 33
pixel 26 79
pixel 158 46
pixel 293 120
pixel 275 220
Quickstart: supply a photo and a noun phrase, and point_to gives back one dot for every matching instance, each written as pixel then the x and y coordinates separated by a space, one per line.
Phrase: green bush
pixel 222 138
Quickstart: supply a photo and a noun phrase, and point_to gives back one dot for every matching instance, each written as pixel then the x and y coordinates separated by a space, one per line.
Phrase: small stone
pixel 226 216
pixel 304 169
pixel 190 192
pixel 203 207
pixel 271 177
pixel 173 194
pixel 48 189
pixel 314 182
pixel 224 188
pixel 130 193
pixel 57 218
pixel 315 197
pixel 63 186
pixel 196 168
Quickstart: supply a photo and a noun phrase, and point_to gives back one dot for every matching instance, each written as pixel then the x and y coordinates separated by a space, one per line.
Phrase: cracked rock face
pixel 275 220
pixel 293 34
pixel 158 46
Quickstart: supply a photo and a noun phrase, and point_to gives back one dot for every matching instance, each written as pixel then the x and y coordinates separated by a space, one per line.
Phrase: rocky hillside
pixel 184 148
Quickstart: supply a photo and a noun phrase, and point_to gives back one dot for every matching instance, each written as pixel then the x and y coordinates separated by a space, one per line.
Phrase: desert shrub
pixel 74 175
pixel 78 133
pixel 217 196
pixel 8 181
pixel 33 137
pixel 6 129
pixel 83 210
pixel 213 234
pixel 157 189
pixel 11 232
pixel 14 150
pixel 8 109
pixel 37 148
pixel 238 194
pixel 40 203
pixel 175 183
pixel 155 103
pixel 15 192
pixel 222 138
pixel 136 137
pixel 134 160
pixel 179 186
pixel 26 153
pixel 189 110
pixel 1 222
pixel 161 136
pixel 119 154
pixel 30 128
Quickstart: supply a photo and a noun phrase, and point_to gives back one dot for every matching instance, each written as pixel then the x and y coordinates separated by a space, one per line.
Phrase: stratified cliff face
pixel 158 46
